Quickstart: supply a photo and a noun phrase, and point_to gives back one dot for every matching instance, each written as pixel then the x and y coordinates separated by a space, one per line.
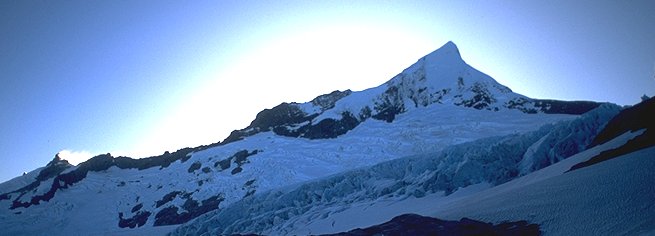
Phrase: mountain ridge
pixel 440 77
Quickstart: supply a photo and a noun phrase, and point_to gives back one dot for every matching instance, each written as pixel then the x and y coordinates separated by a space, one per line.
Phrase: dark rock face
pixel 481 100
pixel 97 163
pixel 138 220
pixel 223 164
pixel 390 105
pixel 137 207
pixel 288 120
pixel 532 106
pixel 411 224
pixel 647 139
pixel 240 158
pixel 171 216
pixel 565 107
pixel 167 198
pixel 331 128
pixel 195 166
pixel 236 170
pixel 250 188
pixel 327 101
pixel 640 116
pixel 162 161
pixel 282 115
pixel 53 168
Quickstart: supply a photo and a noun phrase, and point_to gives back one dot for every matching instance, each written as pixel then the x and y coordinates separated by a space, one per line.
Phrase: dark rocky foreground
pixel 411 224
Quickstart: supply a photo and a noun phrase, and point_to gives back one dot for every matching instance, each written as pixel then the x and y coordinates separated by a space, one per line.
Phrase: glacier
pixel 489 161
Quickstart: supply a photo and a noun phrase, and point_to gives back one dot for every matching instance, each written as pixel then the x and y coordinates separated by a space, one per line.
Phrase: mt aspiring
pixel 440 132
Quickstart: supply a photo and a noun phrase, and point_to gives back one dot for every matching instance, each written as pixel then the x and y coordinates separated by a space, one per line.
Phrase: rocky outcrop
pixel 287 119
pixel 172 215
pixel 411 224
pixel 240 158
pixel 327 101
pixel 97 163
pixel 638 117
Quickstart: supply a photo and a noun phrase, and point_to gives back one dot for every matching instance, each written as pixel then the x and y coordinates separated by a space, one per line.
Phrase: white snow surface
pixel 409 184
pixel 562 204
pixel 20 181
pixel 614 197
pixel 281 161
pixel 440 77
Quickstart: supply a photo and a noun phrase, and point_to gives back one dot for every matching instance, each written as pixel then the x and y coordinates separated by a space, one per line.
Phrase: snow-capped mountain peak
pixel 441 77
pixel 441 67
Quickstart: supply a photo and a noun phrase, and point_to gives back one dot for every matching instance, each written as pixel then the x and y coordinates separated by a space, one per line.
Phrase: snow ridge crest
pixel 441 77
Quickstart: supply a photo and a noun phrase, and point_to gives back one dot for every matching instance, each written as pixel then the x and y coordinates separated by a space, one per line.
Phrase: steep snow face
pixel 20 181
pixel 484 162
pixel 614 197
pixel 441 77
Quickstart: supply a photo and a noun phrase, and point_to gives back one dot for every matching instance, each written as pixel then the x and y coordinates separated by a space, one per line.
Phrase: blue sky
pixel 141 77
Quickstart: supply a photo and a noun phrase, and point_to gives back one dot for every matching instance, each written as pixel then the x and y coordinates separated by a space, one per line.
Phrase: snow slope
pixel 280 161
pixel 610 199
pixel 615 197
pixel 462 168
pixel 20 181
pixel 437 102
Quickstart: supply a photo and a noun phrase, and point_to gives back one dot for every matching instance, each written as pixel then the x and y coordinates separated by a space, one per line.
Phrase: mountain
pixel 440 126
pixel 478 180
pixel 441 77
pixel 353 198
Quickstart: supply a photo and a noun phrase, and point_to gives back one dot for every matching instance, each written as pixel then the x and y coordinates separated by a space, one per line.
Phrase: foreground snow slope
pixel 612 200
pixel 605 200
pixel 615 197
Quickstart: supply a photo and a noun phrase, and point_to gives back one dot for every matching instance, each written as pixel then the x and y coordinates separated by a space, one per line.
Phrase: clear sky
pixel 141 77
